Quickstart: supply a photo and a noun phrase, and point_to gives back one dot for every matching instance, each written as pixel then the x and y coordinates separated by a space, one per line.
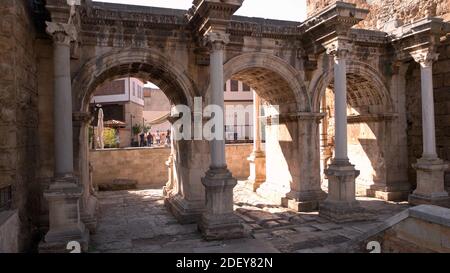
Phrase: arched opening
pixel 370 112
pixel 175 166
pixel 290 131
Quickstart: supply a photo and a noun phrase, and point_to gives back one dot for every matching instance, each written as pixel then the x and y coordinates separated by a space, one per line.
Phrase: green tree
pixel 137 128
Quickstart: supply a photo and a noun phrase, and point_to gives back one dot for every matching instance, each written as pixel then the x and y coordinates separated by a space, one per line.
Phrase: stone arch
pixel 147 64
pixel 368 143
pixel 275 80
pixel 362 80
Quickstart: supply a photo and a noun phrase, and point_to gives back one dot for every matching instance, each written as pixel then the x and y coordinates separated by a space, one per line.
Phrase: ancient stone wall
pixel 19 113
pixel 147 166
pixel 382 11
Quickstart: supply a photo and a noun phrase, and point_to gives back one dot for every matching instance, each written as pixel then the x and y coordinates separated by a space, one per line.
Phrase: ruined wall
pixel 382 11
pixel 19 113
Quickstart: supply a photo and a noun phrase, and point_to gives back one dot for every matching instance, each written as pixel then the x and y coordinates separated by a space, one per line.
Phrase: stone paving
pixel 137 221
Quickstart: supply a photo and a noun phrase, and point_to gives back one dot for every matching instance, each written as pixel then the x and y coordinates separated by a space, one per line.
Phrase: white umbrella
pixel 101 144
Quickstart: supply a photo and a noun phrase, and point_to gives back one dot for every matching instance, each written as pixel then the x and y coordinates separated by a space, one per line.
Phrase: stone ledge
pixel 429 213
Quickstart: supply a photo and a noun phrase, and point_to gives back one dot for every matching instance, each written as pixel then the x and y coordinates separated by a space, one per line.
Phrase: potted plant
pixel 136 130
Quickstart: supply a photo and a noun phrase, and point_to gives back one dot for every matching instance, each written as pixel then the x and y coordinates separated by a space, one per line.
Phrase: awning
pixel 159 120
pixel 115 124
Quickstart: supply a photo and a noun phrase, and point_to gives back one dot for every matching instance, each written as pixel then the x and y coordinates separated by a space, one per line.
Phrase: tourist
pixel 142 138
pixel 149 139
pixel 168 138
pixel 158 138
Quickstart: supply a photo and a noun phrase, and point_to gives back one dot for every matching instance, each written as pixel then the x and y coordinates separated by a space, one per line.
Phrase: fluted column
pixel 430 169
pixel 218 221
pixel 257 158
pixel 65 191
pixel 341 204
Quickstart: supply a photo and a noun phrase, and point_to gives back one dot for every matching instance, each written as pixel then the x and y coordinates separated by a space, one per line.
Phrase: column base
pixel 257 176
pixel 221 227
pixel 430 183
pixel 219 222
pixel 58 242
pixel 342 212
pixel 64 216
pixel 89 214
pixel 186 212
pixel 303 201
pixel 341 205
pixel 397 193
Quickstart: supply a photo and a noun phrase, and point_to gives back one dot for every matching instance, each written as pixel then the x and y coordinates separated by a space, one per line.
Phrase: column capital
pixel 425 57
pixel 216 40
pixel 62 33
pixel 338 48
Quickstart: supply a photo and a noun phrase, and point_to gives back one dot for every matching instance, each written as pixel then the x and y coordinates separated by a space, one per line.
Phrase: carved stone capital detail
pixel 216 40
pixel 425 57
pixel 62 33
pixel 339 49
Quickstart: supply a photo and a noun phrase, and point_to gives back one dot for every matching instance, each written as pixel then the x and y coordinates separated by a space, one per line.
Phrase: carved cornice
pixel 419 36
pixel 325 26
pixel 211 15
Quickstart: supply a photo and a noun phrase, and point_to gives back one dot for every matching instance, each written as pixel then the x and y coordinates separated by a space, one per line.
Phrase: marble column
pixel 218 221
pixel 430 169
pixel 257 158
pixel 65 191
pixel 341 204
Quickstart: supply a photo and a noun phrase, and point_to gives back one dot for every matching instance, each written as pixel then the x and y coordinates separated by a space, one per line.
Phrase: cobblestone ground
pixel 137 221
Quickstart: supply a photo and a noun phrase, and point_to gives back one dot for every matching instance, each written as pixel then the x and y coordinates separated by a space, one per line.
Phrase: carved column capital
pixel 339 49
pixel 216 40
pixel 425 57
pixel 62 33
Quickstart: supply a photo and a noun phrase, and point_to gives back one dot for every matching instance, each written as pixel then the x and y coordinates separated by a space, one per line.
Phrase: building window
pixel 245 88
pixel 5 198
pixel 234 86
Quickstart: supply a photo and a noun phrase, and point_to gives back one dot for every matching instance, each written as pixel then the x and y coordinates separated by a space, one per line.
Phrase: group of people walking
pixel 154 139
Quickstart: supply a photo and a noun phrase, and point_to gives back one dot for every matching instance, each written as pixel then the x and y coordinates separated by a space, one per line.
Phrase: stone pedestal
pixel 185 211
pixel 65 224
pixel 397 192
pixel 219 222
pixel 257 176
pixel 304 201
pixel 430 183
pixel 341 204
